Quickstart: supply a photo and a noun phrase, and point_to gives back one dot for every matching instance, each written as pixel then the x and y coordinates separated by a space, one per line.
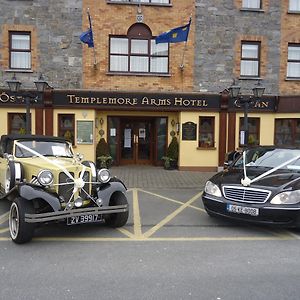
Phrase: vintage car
pixel 46 182
pixel 262 185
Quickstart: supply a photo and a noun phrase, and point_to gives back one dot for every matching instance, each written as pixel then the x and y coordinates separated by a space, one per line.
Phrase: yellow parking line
pixel 4 230
pixel 137 227
pixel 171 216
pixel 126 232
pixel 172 200
pixel 157 239
pixel 4 218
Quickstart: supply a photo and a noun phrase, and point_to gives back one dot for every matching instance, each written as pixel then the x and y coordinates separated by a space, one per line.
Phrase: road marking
pixel 171 216
pixel 172 200
pixel 4 218
pixel 126 232
pixel 157 239
pixel 137 227
pixel 4 230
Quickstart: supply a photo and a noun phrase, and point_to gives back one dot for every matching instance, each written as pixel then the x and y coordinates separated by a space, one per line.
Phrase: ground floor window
pixel 287 132
pixel 66 127
pixel 253 130
pixel 16 123
pixel 206 132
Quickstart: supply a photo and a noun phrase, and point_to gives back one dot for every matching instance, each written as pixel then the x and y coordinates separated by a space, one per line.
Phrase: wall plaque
pixel 189 131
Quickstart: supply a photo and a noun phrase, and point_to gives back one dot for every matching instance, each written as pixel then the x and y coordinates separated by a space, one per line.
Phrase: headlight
pixel 103 175
pixel 287 198
pixel 45 177
pixel 212 189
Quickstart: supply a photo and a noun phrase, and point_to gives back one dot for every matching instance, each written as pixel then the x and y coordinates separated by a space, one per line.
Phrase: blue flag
pixel 176 35
pixel 87 36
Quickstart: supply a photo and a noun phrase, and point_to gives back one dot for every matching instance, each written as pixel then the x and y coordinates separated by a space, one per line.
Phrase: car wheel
pixel 118 219
pixel 14 173
pixel 20 231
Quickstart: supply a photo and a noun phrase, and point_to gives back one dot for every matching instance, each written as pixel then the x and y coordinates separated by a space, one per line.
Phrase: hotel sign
pixel 126 100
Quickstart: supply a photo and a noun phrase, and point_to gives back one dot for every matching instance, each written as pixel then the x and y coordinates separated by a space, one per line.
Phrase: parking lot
pixel 169 249
pixel 164 205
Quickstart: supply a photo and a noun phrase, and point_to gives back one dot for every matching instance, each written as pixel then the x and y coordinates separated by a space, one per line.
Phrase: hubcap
pixel 14 222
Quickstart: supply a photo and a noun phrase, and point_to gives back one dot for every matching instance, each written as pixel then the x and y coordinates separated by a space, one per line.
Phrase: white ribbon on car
pixel 246 181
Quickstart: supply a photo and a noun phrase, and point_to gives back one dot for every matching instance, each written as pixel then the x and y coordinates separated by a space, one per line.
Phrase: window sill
pixel 292 79
pixel 138 74
pixel 295 12
pixel 141 3
pixel 18 71
pixel 249 78
pixel 259 10
pixel 206 148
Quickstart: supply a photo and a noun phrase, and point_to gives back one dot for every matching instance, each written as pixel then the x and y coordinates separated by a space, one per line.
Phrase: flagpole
pixel 184 49
pixel 94 50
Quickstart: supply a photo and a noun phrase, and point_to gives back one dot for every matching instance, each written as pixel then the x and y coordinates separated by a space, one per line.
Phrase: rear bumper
pixel 60 215
pixel 268 214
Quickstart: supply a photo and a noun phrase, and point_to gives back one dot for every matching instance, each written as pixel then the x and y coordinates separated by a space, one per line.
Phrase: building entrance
pixel 137 140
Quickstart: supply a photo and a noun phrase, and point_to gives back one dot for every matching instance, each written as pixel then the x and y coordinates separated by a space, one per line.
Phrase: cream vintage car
pixel 46 182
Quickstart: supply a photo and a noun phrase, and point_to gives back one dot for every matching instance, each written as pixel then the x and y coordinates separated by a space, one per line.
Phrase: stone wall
pixel 221 25
pixel 55 26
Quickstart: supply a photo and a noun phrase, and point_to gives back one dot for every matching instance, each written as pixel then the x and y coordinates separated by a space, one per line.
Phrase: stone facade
pixel 55 27
pixel 221 25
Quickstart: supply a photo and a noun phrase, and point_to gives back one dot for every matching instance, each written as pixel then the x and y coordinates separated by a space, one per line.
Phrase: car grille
pixel 245 194
pixel 66 190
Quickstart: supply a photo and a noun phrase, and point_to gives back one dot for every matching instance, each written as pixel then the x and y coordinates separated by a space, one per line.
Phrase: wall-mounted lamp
pixel 177 127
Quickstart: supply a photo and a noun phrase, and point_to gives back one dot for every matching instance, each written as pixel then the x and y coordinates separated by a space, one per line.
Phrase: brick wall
pixel 115 19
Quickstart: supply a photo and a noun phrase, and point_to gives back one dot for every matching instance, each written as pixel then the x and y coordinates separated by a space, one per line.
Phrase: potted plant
pixel 171 157
pixel 104 160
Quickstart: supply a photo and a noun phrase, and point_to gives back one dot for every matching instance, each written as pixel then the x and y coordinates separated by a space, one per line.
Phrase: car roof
pixel 9 138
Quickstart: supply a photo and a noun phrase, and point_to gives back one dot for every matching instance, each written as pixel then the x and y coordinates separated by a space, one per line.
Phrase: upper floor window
pixel 251 4
pixel 294 5
pixel 287 132
pixel 143 1
pixel 206 132
pixel 137 52
pixel 250 59
pixel 19 50
pixel 293 64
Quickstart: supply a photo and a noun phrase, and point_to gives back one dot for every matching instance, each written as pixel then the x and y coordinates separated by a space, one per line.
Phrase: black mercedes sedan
pixel 262 185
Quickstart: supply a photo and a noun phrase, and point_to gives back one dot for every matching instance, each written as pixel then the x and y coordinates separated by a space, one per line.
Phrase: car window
pixel 270 158
pixel 57 149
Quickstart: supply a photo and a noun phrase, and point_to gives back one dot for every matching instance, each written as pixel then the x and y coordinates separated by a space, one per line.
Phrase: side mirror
pixel 230 158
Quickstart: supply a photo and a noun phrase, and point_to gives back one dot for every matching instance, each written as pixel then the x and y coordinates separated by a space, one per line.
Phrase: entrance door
pixel 136 141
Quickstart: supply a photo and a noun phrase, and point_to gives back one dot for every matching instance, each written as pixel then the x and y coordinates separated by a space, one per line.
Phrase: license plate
pixel 237 209
pixel 84 219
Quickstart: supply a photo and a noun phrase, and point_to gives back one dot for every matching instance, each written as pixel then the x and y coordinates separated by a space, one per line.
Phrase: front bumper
pixel 287 216
pixel 76 212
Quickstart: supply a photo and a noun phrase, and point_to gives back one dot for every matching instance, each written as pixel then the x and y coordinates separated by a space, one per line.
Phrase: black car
pixel 262 186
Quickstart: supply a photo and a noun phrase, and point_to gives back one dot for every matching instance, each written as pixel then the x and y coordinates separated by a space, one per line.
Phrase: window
pixel 16 123
pixel 206 132
pixel 66 127
pixel 294 5
pixel 253 130
pixel 252 4
pixel 20 50
pixel 143 1
pixel 287 132
pixel 293 64
pixel 250 59
pixel 138 53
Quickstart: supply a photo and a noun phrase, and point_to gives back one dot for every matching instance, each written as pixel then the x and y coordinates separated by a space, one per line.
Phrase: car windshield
pixel 46 148
pixel 270 158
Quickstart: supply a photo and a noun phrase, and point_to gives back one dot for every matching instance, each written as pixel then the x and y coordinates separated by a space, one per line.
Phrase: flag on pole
pixel 175 35
pixel 87 36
